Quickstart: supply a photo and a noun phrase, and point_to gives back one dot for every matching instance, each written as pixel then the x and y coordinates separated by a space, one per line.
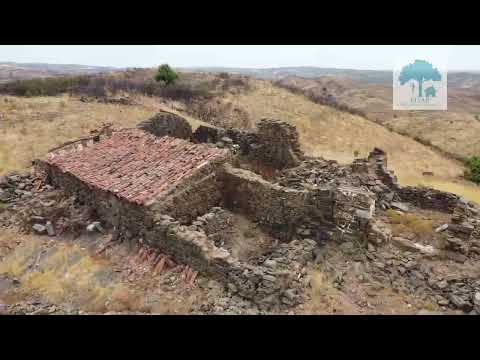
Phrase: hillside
pixel 456 131
pixel 380 77
pixel 18 71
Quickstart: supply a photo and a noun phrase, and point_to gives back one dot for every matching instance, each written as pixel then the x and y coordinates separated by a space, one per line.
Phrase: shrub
pixel 224 75
pixel 166 74
pixel 321 98
pixel 423 228
pixel 50 86
pixel 473 169
pixel 100 85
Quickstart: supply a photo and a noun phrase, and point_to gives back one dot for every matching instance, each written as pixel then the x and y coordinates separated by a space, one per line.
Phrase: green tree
pixel 473 169
pixel 420 71
pixel 166 74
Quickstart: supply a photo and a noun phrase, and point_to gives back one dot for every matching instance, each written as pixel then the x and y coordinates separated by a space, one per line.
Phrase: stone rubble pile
pixel 37 207
pixel 406 272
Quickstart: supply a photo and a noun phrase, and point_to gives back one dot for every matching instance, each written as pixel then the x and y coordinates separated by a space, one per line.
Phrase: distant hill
pixel 303 71
pixel 18 71
pixel 457 79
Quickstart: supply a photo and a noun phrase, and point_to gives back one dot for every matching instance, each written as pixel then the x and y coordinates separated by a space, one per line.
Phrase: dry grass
pixel 67 274
pixel 423 228
pixel 322 294
pixel 456 131
pixel 29 127
pixel 333 134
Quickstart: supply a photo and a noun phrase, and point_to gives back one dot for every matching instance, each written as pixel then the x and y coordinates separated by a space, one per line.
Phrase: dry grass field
pixel 29 127
pixel 456 131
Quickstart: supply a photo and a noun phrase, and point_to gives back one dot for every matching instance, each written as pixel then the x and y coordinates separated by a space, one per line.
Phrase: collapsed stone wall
pixel 217 225
pixel 276 143
pixel 378 160
pixel 428 198
pixel 167 124
pixel 271 281
pixel 280 144
pixel 352 211
pixel 279 209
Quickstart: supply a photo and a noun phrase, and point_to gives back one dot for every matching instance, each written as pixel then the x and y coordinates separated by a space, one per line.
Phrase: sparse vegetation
pixel 473 169
pixel 322 99
pixel 423 228
pixel 50 86
pixel 99 86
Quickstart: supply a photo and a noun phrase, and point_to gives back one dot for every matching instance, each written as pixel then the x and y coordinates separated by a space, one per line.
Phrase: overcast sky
pixel 374 57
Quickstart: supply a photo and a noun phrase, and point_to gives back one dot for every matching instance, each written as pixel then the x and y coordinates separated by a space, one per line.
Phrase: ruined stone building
pixel 170 188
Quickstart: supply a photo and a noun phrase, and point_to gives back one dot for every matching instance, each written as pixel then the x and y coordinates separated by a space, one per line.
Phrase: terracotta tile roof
pixel 135 165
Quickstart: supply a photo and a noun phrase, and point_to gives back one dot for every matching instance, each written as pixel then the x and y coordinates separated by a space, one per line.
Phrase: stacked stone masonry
pixel 167 124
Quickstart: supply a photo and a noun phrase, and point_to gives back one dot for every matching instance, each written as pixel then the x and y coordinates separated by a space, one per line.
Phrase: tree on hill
pixel 420 71
pixel 166 74
pixel 473 169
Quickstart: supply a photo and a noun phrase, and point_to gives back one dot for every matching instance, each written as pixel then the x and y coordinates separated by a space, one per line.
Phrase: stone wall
pixel 352 211
pixel 217 225
pixel 269 284
pixel 428 198
pixel 378 160
pixel 279 209
pixel 120 215
pixel 272 281
pixel 165 123
pixel 275 143
pixel 194 196
pixel 280 144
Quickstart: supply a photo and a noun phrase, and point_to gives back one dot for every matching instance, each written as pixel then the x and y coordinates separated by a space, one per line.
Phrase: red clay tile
pixel 135 165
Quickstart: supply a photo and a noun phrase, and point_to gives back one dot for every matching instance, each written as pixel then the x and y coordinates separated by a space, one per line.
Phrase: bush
pixel 224 75
pixel 166 74
pixel 50 86
pixel 473 169
pixel 321 98
pixel 101 85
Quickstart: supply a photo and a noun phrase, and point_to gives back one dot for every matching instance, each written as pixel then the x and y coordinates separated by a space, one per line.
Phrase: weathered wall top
pixel 167 124
pixel 276 143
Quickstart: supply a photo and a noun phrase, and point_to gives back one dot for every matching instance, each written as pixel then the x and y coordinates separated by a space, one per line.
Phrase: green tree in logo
pixel 419 71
